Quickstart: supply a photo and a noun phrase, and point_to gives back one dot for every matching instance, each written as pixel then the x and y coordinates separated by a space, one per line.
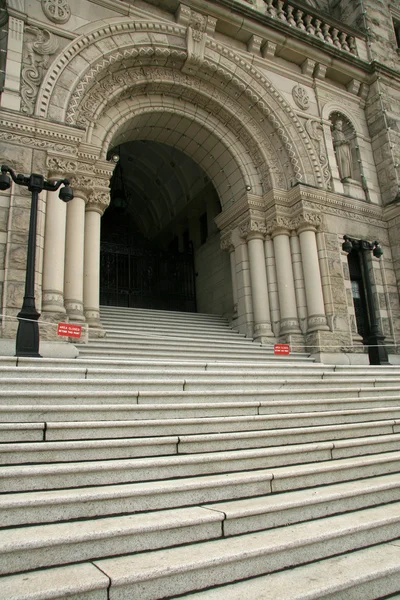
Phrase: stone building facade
pixel 258 131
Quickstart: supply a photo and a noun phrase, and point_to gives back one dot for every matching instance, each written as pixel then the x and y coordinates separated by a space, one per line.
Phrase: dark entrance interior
pixel 136 273
pixel 158 217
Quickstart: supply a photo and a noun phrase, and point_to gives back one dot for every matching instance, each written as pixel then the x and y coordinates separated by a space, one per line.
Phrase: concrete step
pixel 277 510
pixel 375 574
pixel 205 382
pixel 223 561
pixel 35 547
pixel 91 430
pixel 161 341
pixel 175 315
pixel 108 472
pixel 27 508
pixel 290 413
pixel 374 438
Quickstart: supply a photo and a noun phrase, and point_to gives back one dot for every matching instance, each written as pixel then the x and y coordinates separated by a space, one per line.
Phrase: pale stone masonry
pixel 223 109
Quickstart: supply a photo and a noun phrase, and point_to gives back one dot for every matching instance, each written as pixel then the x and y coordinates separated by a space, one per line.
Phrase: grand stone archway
pixel 173 84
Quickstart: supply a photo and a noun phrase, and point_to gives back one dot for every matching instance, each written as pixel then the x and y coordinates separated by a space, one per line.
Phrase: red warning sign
pixel 281 349
pixel 69 330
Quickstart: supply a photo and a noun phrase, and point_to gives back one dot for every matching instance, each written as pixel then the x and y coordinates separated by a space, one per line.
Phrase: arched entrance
pixel 211 105
pixel 159 221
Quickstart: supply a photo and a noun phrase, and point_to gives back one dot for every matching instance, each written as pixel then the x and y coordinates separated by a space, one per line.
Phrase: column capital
pixel 307 222
pixel 226 242
pixel 82 185
pixel 98 200
pixel 253 229
pixel 279 226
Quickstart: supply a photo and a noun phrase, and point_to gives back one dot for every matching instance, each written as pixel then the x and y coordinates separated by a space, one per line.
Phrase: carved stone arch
pixel 109 132
pixel 95 53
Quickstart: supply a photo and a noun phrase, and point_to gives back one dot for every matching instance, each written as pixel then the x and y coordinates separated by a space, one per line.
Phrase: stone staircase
pixel 176 458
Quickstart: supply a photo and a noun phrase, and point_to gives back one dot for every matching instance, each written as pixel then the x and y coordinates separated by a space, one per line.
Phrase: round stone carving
pixel 57 11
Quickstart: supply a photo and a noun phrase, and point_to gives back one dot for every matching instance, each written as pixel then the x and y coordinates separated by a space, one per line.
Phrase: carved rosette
pixel 301 97
pixel 57 11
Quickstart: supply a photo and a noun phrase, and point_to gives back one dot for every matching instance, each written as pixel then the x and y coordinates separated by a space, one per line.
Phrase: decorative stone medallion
pixel 301 97
pixel 57 11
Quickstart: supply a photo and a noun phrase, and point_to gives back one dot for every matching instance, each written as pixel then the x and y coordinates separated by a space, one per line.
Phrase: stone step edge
pixel 375 573
pixel 185 445
pixel 119 471
pixel 41 546
pixel 221 561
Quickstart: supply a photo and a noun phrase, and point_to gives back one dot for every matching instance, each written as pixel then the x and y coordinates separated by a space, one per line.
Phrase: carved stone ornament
pixel 98 201
pixel 226 242
pixel 252 226
pixel 37 52
pixel 301 97
pixel 57 11
pixel 307 220
pixel 60 165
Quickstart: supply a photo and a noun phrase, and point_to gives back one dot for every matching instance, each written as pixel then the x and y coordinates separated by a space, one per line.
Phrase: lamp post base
pixel 27 341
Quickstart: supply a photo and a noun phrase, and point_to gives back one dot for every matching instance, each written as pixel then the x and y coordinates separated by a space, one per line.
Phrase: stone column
pixel 259 288
pixel 54 243
pixel 287 297
pixel 226 244
pixel 54 256
pixel 299 281
pixel 272 285
pixel 312 279
pixel 244 321
pixel 74 256
pixel 95 207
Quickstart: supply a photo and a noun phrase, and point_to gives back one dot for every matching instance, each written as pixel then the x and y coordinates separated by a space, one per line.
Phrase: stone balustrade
pixel 310 24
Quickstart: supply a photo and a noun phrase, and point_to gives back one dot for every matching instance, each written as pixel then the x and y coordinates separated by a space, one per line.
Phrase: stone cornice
pixel 21 125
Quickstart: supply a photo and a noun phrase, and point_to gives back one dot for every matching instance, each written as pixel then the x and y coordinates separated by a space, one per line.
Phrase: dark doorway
pixel 359 298
pixel 136 273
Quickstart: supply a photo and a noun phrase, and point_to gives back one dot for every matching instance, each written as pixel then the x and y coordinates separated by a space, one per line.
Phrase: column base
pixel 317 323
pixel 263 334
pixel 53 302
pixel 290 326
pixel 96 329
pixel 75 312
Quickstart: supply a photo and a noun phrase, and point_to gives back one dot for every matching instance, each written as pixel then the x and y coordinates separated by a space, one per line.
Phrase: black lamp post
pixel 27 342
pixel 377 350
